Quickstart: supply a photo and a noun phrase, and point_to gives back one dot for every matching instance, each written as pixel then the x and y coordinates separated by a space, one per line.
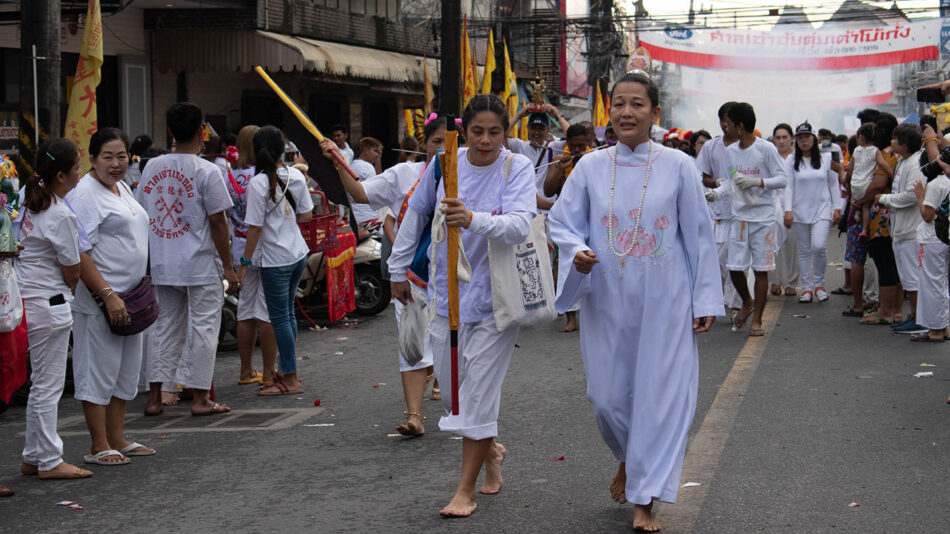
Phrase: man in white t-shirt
pixel 186 200
pixel 339 135
pixel 933 305
pixel 756 172
pixel 537 148
pixel 366 165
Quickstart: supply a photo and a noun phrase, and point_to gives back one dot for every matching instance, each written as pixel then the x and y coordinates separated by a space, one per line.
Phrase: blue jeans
pixel 280 291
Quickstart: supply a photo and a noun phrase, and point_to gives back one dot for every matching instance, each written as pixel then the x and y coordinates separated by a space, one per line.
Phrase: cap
pixel 804 128
pixel 290 147
pixel 538 119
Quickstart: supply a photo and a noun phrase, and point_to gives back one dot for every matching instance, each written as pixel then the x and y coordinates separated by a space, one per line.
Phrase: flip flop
pixel 756 332
pixel 851 312
pixel 875 319
pixel 927 339
pixel 256 380
pixel 6 492
pixel 130 450
pixel 840 291
pixel 97 458
pixel 215 409
pixel 740 319
pixel 281 389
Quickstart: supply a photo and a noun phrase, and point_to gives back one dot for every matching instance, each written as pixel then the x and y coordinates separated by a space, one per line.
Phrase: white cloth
pixel 51 241
pixel 179 192
pixel 364 170
pixel 760 161
pixel 538 156
pixel 117 227
pixel 937 190
pixel 346 152
pixel 752 244
pixel 642 385
pixel 238 211
pixel 787 271
pixel 185 337
pixel 812 252
pixel 48 333
pixel 712 161
pixel 427 357
pixel 904 213
pixel 104 365
pixel 484 355
pixel 390 188
pixel 730 296
pixel 906 256
pixel 811 194
pixel 933 303
pixel 864 161
pixel 500 212
pixel 281 243
pixel 251 302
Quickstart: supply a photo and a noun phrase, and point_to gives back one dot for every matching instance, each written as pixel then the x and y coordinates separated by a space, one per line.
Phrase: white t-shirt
pixel 811 194
pixel 390 188
pixel 347 153
pixel 937 190
pixel 538 156
pixel 117 227
pixel 712 161
pixel 179 192
pixel 51 238
pixel 864 160
pixel 364 170
pixel 281 243
pixel 759 160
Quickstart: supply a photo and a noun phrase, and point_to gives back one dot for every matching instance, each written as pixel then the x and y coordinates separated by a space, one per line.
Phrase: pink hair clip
pixel 432 117
pixel 458 122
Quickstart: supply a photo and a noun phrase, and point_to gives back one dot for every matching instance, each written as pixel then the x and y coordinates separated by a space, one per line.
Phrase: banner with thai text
pixel 779 49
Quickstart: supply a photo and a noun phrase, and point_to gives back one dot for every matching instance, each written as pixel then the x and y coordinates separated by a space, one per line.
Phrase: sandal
pixel 851 312
pixel 840 291
pixel 756 332
pixel 97 459
pixel 790 292
pixel 130 450
pixel 875 319
pixel 5 491
pixel 925 338
pixel 775 290
pixel 215 409
pixel 258 378
pixel 406 430
pixel 741 318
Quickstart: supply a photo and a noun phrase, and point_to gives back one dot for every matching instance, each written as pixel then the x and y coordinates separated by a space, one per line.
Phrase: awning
pixel 242 50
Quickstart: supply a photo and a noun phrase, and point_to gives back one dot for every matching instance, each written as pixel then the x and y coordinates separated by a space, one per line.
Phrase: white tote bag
pixel 11 307
pixel 522 281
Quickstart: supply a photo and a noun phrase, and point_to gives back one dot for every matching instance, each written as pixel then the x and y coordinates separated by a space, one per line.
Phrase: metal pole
pixel 450 89
pixel 36 102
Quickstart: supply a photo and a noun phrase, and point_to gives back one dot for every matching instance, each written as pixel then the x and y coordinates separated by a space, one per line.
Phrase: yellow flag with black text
pixel 82 114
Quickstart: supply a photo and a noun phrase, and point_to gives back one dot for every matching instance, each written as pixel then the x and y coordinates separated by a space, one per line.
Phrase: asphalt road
pixel 789 431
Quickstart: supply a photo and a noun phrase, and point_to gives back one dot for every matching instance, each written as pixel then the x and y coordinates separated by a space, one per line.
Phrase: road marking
pixel 705 449
pixel 168 423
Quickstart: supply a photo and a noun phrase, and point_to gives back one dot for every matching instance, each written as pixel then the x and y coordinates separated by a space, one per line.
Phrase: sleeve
pixel 834 187
pixel 937 190
pixel 777 178
pixel 790 183
pixel 517 145
pixel 423 199
pixel 298 187
pixel 256 201
pixel 519 206
pixel 63 236
pixel 906 197
pixel 88 215
pixel 695 228
pixel 214 194
pixel 569 223
pixel 383 189
pixel 702 161
pixel 407 239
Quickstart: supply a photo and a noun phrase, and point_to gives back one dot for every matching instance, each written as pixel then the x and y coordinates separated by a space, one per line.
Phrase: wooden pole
pixel 449 165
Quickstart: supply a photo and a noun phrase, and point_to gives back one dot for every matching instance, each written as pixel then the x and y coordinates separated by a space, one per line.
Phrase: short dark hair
pixel 575 130
pixel 695 137
pixel 103 136
pixel 653 91
pixel 433 126
pixel 825 132
pixel 184 121
pixel 867 131
pixel 930 120
pixel 485 102
pixel 908 134
pixel 783 126
pixel 140 145
pixel 366 143
pixel 742 113
pixel 841 138
pixel 725 108
pixel 338 128
pixel 868 115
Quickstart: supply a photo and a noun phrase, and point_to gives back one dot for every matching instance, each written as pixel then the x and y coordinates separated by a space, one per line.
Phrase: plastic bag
pixel 413 323
pixel 11 307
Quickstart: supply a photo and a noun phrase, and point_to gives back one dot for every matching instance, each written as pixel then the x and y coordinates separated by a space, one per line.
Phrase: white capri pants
pixel 484 355
pixel 104 365
pixel 48 333
pixel 933 302
pixel 426 350
pixel 905 252
pixel 251 303
pixel 185 337
pixel 812 241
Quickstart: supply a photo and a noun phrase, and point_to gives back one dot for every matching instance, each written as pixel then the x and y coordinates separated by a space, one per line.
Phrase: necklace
pixel 610 214
pixel 118 192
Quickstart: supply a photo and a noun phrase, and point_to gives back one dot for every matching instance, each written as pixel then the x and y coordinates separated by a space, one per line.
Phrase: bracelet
pixel 111 292
pixel 103 289
pixel 339 168
pixel 929 139
pixel 471 216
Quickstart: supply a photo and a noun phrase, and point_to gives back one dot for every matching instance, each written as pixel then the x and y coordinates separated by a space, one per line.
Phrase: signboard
pixel 825 49
pixel 945 38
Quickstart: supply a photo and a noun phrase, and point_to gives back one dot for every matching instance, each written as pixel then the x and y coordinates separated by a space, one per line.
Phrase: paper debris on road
pixel 342 338
pixel 558 459
pixel 924 374
pixel 863 377
pixel 692 484
pixel 801 316
pixel 75 506
pixel 393 435
pixel 322 424
pixel 338 353
pixel 854 505
pixel 456 437
pixel 64 503
pixel 927 365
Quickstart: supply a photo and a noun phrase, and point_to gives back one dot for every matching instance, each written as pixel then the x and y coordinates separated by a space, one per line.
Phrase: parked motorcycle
pixel 372 292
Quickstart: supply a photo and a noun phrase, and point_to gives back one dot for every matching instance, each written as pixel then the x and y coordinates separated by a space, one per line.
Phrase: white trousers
pixel 933 302
pixel 48 333
pixel 251 303
pixel 426 350
pixel 812 252
pixel 484 355
pixel 787 268
pixel 905 253
pixel 185 337
pixel 104 365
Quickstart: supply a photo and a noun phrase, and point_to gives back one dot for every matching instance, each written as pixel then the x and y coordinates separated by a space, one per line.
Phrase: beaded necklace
pixel 610 214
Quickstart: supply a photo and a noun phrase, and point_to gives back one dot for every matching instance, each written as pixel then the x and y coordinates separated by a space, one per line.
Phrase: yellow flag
pixel 607 111
pixel 512 102
pixel 489 63
pixel 599 107
pixel 469 76
pixel 511 83
pixel 410 127
pixel 428 93
pixel 82 115
pixel 523 128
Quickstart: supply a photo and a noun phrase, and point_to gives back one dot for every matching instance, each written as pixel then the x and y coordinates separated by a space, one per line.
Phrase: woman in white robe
pixel 646 271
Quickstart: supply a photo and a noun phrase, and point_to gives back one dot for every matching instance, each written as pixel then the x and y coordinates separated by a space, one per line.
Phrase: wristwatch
pixel 245 261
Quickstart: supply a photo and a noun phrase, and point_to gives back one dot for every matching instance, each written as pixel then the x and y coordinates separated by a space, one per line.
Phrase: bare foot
pixel 643 520
pixel 493 480
pixel 153 409
pixel 413 427
pixel 775 289
pixel 65 471
pixel 169 398
pixel 571 326
pixel 743 315
pixel 460 506
pixel 5 491
pixel 30 469
pixel 211 408
pixel 436 392
pixel 618 488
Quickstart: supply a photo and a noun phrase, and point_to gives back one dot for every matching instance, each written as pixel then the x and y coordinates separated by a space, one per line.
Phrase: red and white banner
pixel 818 90
pixel 779 49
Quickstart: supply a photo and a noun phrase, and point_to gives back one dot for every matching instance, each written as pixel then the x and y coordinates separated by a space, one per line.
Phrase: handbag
pixel 522 280
pixel 140 304
pixel 11 307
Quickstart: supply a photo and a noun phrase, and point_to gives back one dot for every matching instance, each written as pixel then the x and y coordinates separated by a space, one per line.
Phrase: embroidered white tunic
pixel 636 317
